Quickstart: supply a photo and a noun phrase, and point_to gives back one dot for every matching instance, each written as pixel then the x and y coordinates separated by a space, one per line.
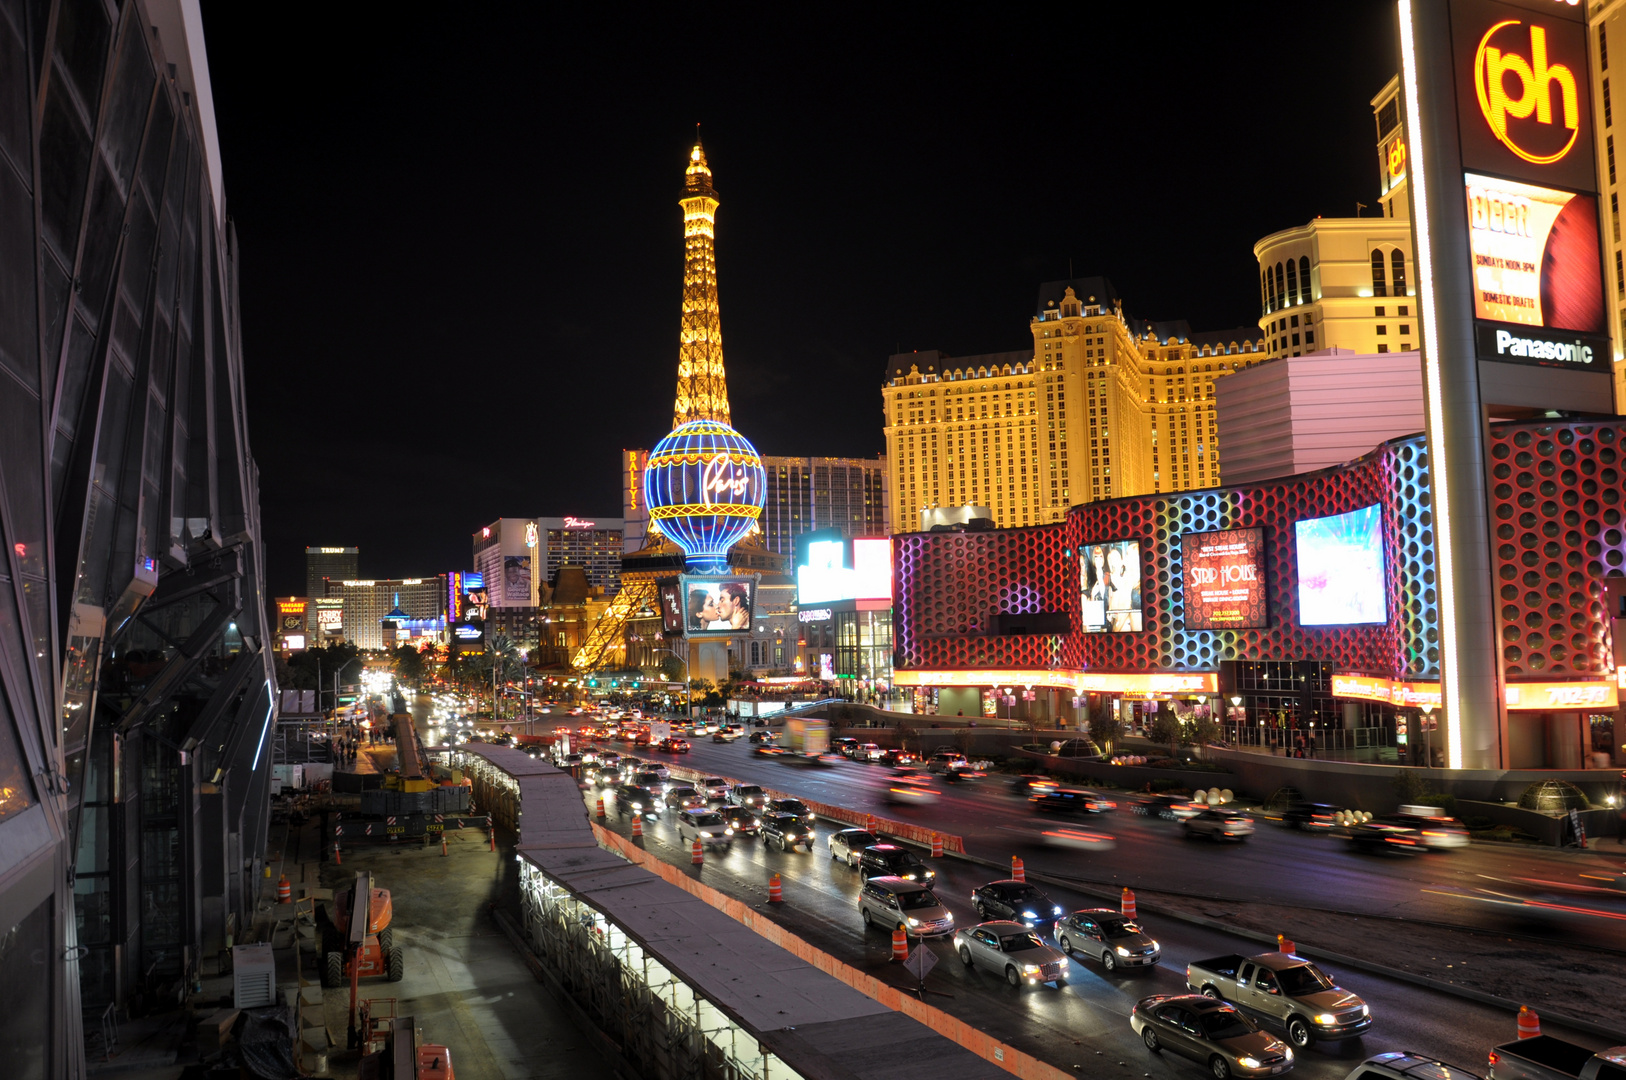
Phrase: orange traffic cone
pixel 1018 872
pixel 696 856
pixel 869 823
pixel 1529 1022
pixel 937 846
pixel 900 945
pixel 336 860
pixel 285 892
pixel 601 806
pixel 637 826
pixel 1284 943
pixel 775 893
pixel 443 843
pixel 1128 904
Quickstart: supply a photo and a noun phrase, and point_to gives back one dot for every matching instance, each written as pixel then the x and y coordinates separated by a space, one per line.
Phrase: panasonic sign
pixel 1569 352
pixel 1519 346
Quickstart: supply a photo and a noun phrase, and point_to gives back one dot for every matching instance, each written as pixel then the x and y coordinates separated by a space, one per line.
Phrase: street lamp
pixel 1428 739
pixel 1237 717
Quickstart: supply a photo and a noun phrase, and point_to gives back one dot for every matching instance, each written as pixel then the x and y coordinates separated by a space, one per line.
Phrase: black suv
pixel 631 799
pixel 786 831
pixel 1014 900
pixel 890 860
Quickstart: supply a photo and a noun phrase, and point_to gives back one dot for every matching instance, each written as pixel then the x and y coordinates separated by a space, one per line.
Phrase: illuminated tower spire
pixel 702 391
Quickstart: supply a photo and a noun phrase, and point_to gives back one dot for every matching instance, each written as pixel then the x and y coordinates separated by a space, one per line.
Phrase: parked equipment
pixel 358 941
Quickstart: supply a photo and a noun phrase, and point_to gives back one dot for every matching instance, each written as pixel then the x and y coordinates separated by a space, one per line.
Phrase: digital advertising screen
pixel 717 606
pixel 1111 587
pixel 1340 568
pixel 840 569
pixel 1535 257
pixel 516 579
pixel 671 594
pixel 1224 578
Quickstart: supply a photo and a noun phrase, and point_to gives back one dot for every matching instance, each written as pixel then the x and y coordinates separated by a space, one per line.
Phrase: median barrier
pixel 901 829
pixel 896 998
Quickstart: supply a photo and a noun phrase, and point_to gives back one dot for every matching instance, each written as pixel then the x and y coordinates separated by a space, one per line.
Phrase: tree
pixel 1165 728
pixel 1202 729
pixel 342 660
pixel 409 665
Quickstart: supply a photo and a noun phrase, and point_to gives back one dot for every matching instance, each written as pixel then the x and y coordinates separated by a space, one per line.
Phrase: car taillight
pixel 1494 1058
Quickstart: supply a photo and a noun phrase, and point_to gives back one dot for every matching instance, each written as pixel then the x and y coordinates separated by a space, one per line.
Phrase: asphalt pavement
pixel 1084 1024
pixel 1503 888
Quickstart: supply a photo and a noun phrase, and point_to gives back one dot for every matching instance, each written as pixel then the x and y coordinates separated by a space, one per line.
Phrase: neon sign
pixel 578 523
pixel 1536 78
pixel 531 538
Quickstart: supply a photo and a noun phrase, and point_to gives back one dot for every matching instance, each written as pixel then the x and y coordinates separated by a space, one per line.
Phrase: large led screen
pixel 1340 565
pixel 717 606
pixel 672 621
pixel 1224 578
pixel 1535 257
pixel 1111 587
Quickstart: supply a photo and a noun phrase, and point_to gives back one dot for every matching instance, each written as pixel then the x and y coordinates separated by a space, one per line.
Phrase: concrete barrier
pixel 980 1043
pixel 902 829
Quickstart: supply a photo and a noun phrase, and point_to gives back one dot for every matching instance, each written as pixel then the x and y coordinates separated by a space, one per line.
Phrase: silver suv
pixel 884 902
pixel 706 826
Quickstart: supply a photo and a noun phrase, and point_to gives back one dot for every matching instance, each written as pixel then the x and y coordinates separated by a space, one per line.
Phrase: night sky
pixel 462 249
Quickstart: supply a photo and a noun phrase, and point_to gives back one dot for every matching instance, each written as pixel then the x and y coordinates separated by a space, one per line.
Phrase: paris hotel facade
pixel 1103 405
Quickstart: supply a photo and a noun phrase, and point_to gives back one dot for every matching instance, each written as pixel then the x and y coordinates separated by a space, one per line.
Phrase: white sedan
pixel 1012 950
pixel 848 844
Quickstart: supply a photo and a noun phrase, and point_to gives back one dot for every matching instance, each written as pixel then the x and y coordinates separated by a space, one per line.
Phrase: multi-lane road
pixel 1506 888
pixel 1083 1025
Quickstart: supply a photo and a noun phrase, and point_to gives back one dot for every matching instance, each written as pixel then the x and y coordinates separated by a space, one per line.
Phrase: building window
pixel 1608 113
pixel 1603 48
pixel 1609 145
pixel 1620 276
pixel 1379 287
pixel 1382 329
pixel 1292 282
pixel 1309 337
pixel 1281 288
pixel 1383 348
pixel 1614 214
pixel 1304 277
pixel 1397 264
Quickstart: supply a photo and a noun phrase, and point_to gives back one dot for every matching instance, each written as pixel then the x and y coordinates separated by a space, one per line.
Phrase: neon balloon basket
pixel 705 489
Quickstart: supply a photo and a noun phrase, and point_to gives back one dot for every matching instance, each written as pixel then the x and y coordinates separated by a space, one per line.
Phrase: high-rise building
pixel 995 430
pixel 594 544
pixel 367 602
pixel 139 683
pixel 507 555
pixel 324 564
pixel 1608 20
pixel 1347 283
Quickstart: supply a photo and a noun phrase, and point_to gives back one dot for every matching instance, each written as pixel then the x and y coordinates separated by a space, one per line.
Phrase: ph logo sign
pixel 1514 80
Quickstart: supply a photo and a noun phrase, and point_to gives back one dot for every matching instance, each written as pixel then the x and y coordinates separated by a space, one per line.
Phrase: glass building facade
pixel 135 679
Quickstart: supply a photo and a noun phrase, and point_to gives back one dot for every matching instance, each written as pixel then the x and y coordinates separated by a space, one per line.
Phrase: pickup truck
pixel 1546 1058
pixel 1285 989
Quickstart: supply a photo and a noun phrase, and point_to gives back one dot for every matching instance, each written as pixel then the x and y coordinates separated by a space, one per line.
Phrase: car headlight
pixel 637 806
pixel 1366 1010
pixel 729 831
pixel 1055 911
pixel 913 921
pixel 1030 969
pixel 1156 947
pixel 1326 1019
pixel 1124 952
pixel 812 817
pixel 1248 1062
pixel 1029 915
pixel 1288 1052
